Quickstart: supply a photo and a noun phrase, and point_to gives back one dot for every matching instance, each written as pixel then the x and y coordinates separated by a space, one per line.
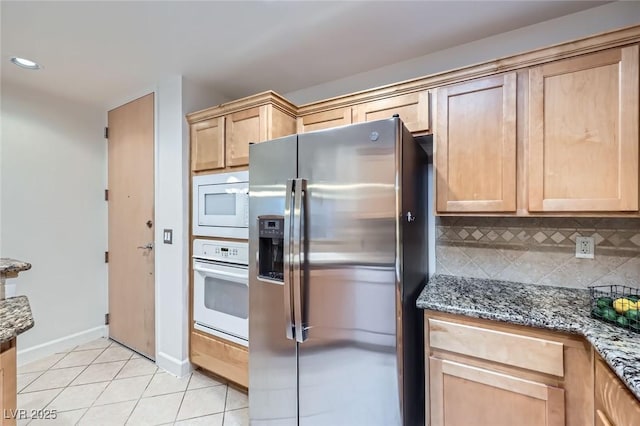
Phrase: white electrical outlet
pixel 585 247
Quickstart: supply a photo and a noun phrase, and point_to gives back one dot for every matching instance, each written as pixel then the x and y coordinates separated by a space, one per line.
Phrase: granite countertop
pixel 12 266
pixel 552 308
pixel 15 317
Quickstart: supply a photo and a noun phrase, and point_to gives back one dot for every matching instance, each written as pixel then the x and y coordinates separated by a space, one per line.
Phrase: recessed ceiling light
pixel 25 63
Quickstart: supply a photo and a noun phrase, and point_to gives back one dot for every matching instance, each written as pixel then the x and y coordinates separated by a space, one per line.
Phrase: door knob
pixel 149 246
pixel 149 224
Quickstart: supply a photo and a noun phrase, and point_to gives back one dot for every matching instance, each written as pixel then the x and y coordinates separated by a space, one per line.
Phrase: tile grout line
pixel 158 371
pixel 118 372
pixel 87 366
pixel 97 356
pixel 40 373
pixel 65 387
pixel 210 414
pixel 139 398
pixel 93 404
pixel 52 369
pixel 175 418
pixel 224 411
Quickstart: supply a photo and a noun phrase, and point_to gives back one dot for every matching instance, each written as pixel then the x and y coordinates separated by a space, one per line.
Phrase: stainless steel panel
pixel 272 357
pixel 349 368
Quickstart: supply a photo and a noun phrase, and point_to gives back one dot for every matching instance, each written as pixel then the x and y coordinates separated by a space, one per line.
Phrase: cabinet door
pixel 602 419
pixel 583 133
pixel 462 395
pixel 221 357
pixel 475 146
pixel 243 127
pixel 8 386
pixel 207 145
pixel 324 120
pixel 615 405
pixel 279 123
pixel 413 109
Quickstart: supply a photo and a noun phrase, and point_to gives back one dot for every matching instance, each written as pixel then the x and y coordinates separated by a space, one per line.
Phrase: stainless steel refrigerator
pixel 337 257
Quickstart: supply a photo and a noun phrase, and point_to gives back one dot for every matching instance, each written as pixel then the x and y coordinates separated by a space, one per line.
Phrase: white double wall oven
pixel 220 267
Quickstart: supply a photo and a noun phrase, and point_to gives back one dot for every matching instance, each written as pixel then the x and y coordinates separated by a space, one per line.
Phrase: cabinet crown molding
pixel 264 98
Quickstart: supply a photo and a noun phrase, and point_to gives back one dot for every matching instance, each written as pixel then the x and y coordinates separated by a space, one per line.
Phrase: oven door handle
pixel 222 274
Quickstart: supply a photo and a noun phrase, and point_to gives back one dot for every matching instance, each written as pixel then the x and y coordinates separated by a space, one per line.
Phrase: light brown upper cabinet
pixel 583 133
pixel 324 119
pixel 413 109
pixel 243 127
pixel 220 136
pixel 475 146
pixel 207 145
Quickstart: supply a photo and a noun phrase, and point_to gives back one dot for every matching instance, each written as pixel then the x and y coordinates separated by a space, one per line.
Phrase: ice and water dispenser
pixel 271 247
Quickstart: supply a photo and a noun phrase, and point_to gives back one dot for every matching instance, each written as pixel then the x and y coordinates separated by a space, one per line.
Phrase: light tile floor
pixel 104 383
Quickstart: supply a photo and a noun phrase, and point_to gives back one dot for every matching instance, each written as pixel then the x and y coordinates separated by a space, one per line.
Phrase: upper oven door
pixel 225 204
pixel 221 298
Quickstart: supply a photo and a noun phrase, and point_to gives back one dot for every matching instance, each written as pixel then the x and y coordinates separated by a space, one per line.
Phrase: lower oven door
pixel 221 300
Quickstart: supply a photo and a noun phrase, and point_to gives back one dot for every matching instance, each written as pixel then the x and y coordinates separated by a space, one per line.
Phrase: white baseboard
pixel 62 344
pixel 173 365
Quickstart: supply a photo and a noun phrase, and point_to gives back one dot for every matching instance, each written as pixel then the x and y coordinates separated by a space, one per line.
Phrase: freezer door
pixel 348 367
pixel 272 356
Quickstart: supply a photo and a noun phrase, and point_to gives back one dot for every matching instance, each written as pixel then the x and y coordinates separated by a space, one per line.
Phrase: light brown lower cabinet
pixel 221 357
pixel 615 405
pixel 8 383
pixel 482 372
pixel 462 395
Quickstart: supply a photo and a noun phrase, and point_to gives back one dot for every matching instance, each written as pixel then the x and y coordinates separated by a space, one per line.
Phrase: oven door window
pixel 226 296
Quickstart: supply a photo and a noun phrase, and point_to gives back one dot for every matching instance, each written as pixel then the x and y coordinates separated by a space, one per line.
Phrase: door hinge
pixel 106 133
pixel 106 257
pixel 106 319
pixel 106 195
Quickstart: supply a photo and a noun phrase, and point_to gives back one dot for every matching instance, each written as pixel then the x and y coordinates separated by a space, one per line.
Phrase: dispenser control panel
pixel 273 228
pixel 271 247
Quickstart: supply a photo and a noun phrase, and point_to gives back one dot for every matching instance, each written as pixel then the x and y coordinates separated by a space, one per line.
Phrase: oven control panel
pixel 222 251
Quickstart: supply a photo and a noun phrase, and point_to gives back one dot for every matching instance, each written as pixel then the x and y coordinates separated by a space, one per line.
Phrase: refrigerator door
pixel 273 383
pixel 347 360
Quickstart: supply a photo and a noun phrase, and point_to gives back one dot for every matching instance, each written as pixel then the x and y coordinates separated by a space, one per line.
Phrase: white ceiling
pixel 102 52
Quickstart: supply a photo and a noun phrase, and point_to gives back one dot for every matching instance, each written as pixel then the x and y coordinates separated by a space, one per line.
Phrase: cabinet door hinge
pixel 106 133
pixel 106 319
pixel 106 195
pixel 106 257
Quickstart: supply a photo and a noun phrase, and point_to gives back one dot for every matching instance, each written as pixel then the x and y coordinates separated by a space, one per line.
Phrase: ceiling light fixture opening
pixel 25 63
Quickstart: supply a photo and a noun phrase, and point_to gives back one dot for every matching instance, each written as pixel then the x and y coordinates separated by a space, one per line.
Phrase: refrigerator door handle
pixel 288 318
pixel 299 212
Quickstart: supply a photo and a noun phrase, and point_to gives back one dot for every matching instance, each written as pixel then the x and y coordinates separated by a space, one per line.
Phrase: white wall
pixel 588 22
pixel 175 97
pixel 171 293
pixel 52 179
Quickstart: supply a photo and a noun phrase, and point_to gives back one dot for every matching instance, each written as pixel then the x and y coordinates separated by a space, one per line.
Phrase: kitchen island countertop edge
pixel 15 317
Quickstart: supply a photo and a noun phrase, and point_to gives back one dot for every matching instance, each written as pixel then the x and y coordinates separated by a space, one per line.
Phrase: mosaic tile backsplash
pixel 539 250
